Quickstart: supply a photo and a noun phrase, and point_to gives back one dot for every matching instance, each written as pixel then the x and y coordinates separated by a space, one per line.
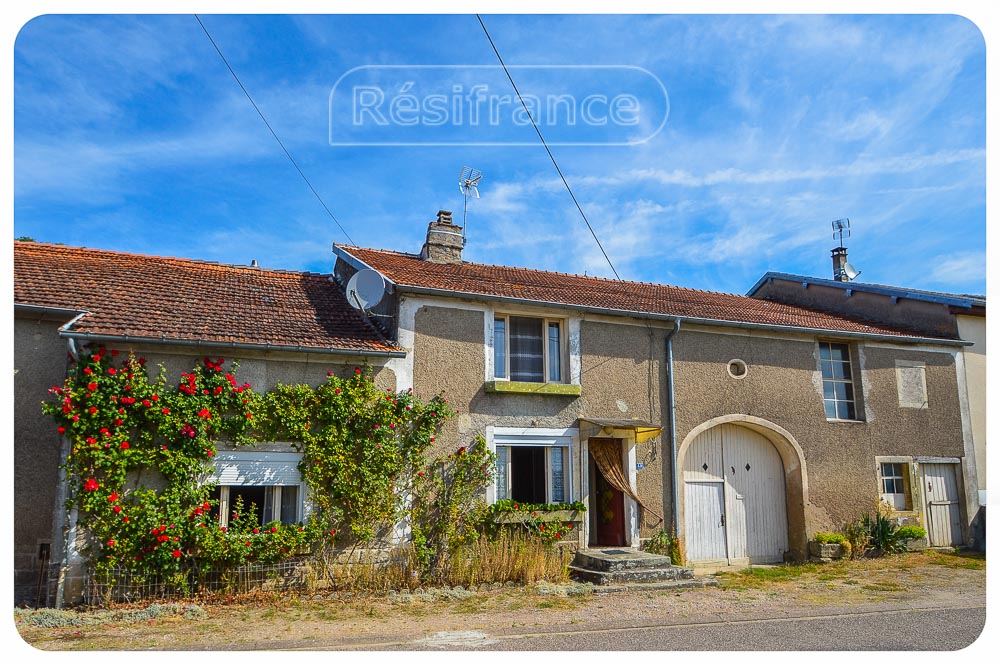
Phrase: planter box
pixel 916 544
pixel 518 516
pixel 828 551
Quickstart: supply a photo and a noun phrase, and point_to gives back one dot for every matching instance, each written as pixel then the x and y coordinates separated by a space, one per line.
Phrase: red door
pixel 609 513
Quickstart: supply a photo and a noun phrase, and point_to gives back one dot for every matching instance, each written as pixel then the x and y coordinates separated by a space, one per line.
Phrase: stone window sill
pixel 531 388
pixel 841 421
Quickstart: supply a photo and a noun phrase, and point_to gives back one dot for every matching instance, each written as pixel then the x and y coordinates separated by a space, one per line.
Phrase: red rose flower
pixel 91 485
pixel 92 409
pixel 256 530
pixel 117 509
pixel 114 353
pixel 125 445
pixel 111 543
pixel 166 412
pixel 113 497
pixel 112 371
pixel 357 370
pixel 204 413
pixel 91 386
pixel 87 370
pixel 154 397
pixel 176 554
pixel 61 430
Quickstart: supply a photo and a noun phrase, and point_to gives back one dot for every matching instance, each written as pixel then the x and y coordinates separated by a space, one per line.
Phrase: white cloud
pixel 960 269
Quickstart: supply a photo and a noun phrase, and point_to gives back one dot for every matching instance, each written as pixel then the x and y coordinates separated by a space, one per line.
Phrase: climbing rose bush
pixel 139 446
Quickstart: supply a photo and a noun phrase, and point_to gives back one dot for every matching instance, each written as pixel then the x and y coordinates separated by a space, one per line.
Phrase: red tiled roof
pixel 594 292
pixel 182 299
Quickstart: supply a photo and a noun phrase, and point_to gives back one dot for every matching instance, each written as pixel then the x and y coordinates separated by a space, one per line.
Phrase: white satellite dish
pixel 365 289
pixel 850 271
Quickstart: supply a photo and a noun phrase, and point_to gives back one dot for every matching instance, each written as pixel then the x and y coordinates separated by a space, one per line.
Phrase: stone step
pixel 632 575
pixel 615 559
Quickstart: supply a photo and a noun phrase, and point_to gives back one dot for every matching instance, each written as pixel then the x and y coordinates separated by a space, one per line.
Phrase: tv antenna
pixel 839 226
pixel 842 267
pixel 468 183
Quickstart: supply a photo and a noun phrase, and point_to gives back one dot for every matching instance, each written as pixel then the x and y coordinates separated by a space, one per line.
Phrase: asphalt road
pixel 914 629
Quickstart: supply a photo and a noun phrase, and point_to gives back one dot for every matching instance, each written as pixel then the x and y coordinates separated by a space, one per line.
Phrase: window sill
pixel 841 421
pixel 531 388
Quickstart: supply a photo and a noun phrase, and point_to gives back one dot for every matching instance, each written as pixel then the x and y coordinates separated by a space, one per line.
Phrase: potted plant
pixel 826 546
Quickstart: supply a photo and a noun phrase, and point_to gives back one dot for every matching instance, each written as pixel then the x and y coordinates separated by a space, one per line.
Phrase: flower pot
pixel 828 551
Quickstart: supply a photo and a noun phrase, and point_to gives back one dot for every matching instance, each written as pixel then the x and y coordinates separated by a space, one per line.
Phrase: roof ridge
pixel 556 272
pixel 179 259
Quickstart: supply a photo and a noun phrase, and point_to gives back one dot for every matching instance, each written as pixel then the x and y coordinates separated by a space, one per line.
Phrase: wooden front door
pixel 609 512
pixel 944 512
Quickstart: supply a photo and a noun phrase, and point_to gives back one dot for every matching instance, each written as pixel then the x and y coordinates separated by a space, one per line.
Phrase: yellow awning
pixel 602 427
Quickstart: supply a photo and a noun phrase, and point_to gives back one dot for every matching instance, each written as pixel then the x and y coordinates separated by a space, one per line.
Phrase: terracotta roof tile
pixel 575 290
pixel 182 299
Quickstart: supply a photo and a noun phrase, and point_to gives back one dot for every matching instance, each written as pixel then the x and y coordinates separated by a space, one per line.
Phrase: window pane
pixel 831 408
pixel 841 370
pixel 289 504
pixel 555 357
pixel 502 472
pixel 828 391
pixel 827 368
pixel 253 499
pixel 527 474
pixel 824 351
pixel 526 349
pixel 843 391
pixel 558 479
pixel 845 410
pixel 500 348
pixel 839 352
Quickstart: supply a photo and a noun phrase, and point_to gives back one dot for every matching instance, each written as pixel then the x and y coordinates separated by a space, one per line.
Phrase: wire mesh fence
pixel 122 585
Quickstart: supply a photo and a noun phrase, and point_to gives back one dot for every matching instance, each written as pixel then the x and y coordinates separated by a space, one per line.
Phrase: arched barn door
pixel 734 498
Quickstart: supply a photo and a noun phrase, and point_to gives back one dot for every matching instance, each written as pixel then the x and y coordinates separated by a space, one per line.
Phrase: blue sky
pixel 130 134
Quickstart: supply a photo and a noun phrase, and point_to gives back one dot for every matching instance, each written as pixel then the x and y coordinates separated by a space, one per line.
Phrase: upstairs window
pixel 838 381
pixel 528 349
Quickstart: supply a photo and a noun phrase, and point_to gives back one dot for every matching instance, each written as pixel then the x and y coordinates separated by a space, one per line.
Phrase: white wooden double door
pixel 734 498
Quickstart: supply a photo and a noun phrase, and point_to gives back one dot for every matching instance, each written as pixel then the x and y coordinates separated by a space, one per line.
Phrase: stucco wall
pixel 932 318
pixel 783 387
pixel 973 329
pixel 39 363
pixel 618 381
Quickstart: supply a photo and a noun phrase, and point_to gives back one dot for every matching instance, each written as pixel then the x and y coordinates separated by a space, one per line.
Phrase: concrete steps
pixel 625 566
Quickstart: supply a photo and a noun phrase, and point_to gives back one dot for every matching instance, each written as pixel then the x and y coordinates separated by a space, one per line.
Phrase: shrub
pixel 883 531
pixel 858 536
pixel 911 531
pixel 830 538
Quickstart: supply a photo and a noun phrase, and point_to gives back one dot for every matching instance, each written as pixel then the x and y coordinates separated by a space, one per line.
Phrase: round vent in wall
pixel 737 368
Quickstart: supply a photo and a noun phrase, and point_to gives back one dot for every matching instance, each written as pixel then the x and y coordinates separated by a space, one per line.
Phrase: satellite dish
pixel 850 271
pixel 365 289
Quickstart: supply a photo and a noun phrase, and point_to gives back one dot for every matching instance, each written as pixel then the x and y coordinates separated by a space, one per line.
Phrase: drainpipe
pixel 671 408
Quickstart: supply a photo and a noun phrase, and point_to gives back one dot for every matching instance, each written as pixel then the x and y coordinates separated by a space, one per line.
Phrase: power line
pixel 270 129
pixel 546 146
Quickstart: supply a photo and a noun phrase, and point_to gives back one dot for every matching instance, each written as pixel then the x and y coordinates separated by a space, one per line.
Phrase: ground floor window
pixel 279 503
pixel 270 482
pixel 533 466
pixel 895 485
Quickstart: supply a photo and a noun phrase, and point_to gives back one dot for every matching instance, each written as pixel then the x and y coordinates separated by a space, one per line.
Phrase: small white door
pixel 704 514
pixel 944 513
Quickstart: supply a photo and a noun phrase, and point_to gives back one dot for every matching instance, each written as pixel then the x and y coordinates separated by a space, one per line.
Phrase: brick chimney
pixel 839 255
pixel 444 240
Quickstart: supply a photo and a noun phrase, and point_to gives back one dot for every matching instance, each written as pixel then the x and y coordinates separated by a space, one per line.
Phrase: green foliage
pixel 361 446
pixel 858 535
pixel 448 511
pixel 51 618
pixel 911 531
pixel 830 538
pixel 664 544
pixel 509 505
pixel 883 531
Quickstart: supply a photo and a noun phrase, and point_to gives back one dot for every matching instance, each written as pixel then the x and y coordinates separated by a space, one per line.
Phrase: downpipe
pixel 671 409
